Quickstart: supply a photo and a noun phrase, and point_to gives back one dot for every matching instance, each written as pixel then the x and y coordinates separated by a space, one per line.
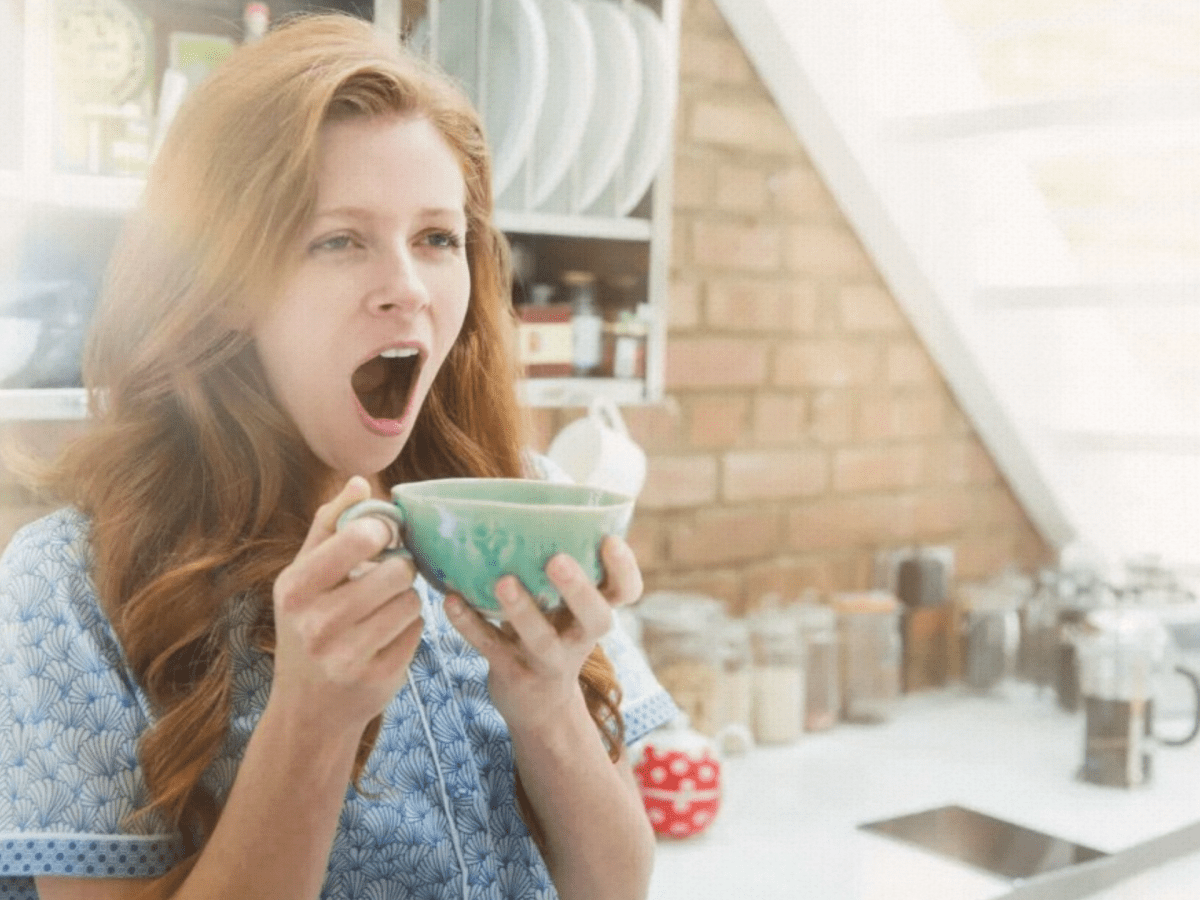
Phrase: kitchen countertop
pixel 788 824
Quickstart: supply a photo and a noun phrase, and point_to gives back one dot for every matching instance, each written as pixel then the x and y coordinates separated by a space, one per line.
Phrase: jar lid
pixel 850 602
pixel 678 610
pixel 815 616
pixel 575 277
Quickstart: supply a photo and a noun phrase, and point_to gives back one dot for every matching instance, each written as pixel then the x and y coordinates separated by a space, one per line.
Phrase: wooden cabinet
pixel 66 183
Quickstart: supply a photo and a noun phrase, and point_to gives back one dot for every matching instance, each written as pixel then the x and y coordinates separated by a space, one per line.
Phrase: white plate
pixel 614 108
pixel 514 86
pixel 651 138
pixel 564 116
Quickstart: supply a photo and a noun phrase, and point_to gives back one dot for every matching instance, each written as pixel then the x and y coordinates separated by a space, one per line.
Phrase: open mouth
pixel 383 384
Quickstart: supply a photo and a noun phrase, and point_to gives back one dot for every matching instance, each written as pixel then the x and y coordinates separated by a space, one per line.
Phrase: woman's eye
pixel 335 243
pixel 448 240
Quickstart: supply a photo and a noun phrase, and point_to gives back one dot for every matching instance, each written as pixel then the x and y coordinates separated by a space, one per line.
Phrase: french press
pixel 1124 657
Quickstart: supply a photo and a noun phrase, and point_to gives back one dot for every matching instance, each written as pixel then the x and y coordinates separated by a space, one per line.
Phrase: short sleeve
pixel 645 704
pixel 69 773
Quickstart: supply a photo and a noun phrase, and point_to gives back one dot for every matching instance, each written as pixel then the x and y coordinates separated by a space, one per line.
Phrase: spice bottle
pixel 587 325
pixel 818 624
pixel 778 682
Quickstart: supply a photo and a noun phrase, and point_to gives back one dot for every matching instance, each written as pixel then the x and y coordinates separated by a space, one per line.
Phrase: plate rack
pixel 633 245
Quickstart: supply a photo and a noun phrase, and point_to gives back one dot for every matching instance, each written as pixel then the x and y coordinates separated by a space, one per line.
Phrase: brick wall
pixel 805 426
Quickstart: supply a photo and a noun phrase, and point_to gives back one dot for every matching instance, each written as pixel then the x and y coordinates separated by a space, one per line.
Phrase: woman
pixel 212 694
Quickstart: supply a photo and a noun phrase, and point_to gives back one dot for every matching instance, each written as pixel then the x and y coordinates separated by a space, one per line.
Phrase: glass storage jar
pixel 822 682
pixel 869 633
pixel 778 683
pixel 733 719
pixel 679 635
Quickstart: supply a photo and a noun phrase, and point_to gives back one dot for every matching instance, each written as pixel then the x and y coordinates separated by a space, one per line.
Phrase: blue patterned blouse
pixel 435 818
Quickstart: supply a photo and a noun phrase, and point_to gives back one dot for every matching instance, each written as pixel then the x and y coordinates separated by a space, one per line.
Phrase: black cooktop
pixel 983 841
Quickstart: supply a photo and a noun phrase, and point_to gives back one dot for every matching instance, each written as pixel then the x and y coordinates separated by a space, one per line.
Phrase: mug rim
pixel 606 497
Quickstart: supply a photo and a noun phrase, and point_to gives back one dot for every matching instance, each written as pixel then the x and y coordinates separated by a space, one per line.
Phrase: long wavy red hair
pixel 199 488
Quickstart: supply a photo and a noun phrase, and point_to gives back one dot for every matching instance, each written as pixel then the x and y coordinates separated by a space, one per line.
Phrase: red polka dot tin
pixel 680 779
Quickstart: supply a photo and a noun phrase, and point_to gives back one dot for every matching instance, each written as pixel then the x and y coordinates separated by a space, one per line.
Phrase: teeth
pixel 399 352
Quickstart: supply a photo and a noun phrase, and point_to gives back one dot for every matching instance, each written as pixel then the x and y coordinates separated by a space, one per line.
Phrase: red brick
pixel 693 182
pixel 774 474
pixel 715 362
pixel 884 415
pixel 822 362
pixel 963 460
pixel 827 250
pixel 833 414
pixel 744 246
pixel 881 467
pixel 801 192
pixel 647 538
pixel 683 305
pixel 657 427
pixel 741 189
pixel 779 419
pixel 938 516
pixel 761 305
pixel 718 536
pixel 718 420
pixel 843 523
pixel 869 307
pixel 743 123
pixel 713 59
pixel 679 481
pixel 909 363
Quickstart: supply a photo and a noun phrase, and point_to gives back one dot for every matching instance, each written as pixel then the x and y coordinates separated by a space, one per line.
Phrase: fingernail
pixel 506 590
pixel 560 566
pixel 453 606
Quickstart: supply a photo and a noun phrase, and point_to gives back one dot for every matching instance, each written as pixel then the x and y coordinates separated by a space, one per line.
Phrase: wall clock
pixel 103 50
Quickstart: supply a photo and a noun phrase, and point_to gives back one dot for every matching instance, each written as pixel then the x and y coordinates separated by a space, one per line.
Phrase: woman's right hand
pixel 343 640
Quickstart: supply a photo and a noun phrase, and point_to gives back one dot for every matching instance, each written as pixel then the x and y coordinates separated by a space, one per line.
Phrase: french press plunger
pixel 1124 656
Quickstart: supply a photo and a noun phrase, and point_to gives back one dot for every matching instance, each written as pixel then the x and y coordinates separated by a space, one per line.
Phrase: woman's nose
pixel 400 286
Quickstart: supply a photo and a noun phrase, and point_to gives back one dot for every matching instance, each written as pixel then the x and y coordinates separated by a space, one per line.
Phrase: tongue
pixel 382 387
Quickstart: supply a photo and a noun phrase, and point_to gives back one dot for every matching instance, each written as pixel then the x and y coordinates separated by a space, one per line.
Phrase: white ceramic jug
pixel 597 450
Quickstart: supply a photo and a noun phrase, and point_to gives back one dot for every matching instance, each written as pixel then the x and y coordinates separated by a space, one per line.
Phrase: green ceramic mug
pixel 464 533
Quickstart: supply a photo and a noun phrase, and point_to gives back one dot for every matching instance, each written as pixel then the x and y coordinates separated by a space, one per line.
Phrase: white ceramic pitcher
pixel 597 450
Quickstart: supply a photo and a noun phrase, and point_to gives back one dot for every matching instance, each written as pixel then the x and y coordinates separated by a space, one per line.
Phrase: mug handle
pixel 604 411
pixel 385 512
pixel 1194 680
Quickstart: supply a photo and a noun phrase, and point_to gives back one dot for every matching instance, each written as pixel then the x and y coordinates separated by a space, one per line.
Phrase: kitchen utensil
pixel 464 533
pixel 510 92
pixel 571 56
pixel 597 450
pixel 655 119
pixel 1123 658
pixel 614 108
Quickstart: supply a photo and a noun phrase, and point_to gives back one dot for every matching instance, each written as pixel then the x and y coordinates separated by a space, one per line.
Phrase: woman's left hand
pixel 535 657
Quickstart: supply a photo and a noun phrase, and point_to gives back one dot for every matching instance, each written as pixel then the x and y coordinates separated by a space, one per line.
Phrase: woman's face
pixel 379 295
